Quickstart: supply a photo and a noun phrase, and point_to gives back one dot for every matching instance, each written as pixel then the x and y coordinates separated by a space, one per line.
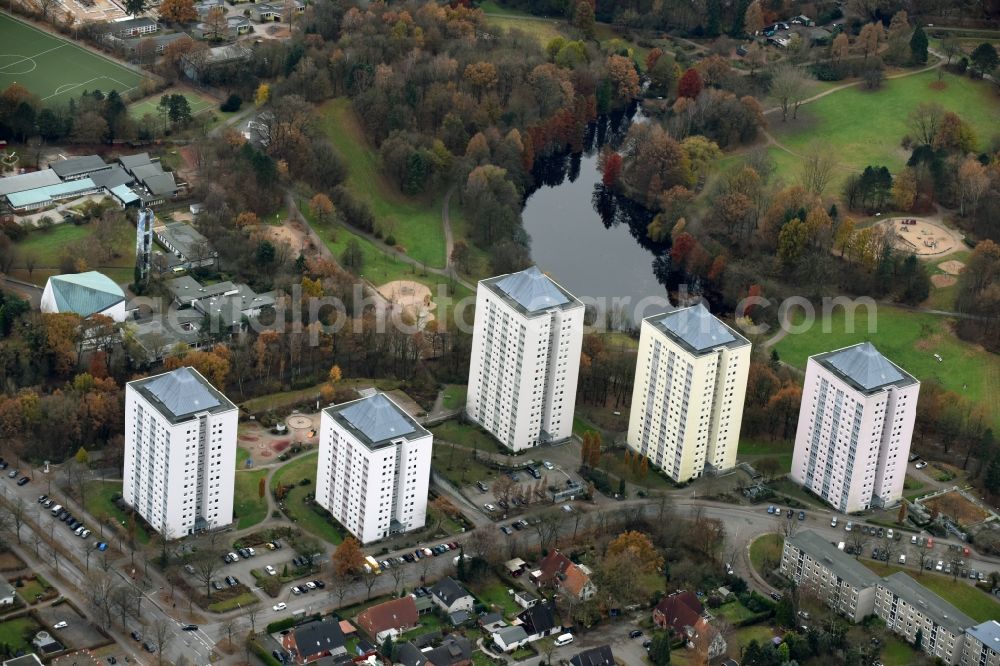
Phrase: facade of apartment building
pixel 907 607
pixel 180 452
pixel 982 645
pixel 855 425
pixel 687 400
pixel 374 467
pixel 525 359
pixel 836 578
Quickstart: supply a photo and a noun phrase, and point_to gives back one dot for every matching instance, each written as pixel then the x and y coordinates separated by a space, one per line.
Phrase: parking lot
pixel 78 632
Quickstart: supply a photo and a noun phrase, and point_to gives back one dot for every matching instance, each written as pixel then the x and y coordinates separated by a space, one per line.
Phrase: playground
pixel 412 298
pixel 922 237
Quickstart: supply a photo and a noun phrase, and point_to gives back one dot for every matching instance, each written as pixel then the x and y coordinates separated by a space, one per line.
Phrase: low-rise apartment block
pixel 908 607
pixel 836 578
pixel 982 645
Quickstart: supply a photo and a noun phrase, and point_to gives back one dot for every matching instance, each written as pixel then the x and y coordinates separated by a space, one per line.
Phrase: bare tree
pixel 889 548
pixel 230 626
pixel 122 600
pixel 251 614
pixel 98 591
pixel 484 544
pixel 547 527
pixel 858 541
pixel 206 564
pixel 161 631
pixel 397 578
pixel 369 577
pixel 339 586
pixel 817 167
pixel 788 87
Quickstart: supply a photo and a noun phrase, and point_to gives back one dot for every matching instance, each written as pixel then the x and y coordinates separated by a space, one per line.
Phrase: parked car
pixel 939 566
pixel 102 546
pixel 790 514
pixel 506 530
pixel 833 521
pixel 888 533
pixel 85 533
pixel 136 636
pixel 770 509
pixel 13 473
pixel 4 464
pixel 913 539
pixel 23 480
pixel 482 486
pixel 802 515
pixel 271 571
pixel 42 498
pixel 547 465
pixel 60 625
pixel 296 590
pixel 149 647
pixel 489 508
pixel 849 526
pixel 921 465
pixel 280 606
pixel 902 559
pixel 776 596
pixel 311 585
pixel 189 627
pixel 320 584
pixel 635 633
pixel 216 585
pixel 230 581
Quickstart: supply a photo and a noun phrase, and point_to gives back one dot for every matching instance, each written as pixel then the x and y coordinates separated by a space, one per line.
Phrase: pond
pixel 590 239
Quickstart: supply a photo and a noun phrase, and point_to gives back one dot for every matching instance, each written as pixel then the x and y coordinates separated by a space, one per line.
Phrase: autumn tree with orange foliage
pixel 348 558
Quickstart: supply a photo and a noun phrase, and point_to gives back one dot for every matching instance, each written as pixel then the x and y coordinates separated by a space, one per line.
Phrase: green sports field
pixel 53 68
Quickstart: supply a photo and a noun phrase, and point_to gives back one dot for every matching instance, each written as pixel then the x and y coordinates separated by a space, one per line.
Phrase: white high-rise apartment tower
pixel 855 425
pixel 374 467
pixel 180 452
pixel 525 359
pixel 687 401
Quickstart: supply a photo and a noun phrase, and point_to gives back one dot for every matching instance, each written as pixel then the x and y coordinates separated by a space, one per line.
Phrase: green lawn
pixel 896 652
pixel 288 398
pixel 242 455
pixel 98 504
pixel 866 126
pixel 733 612
pixel 304 467
pixel 764 548
pixel 454 396
pixel 242 601
pixel 909 339
pixel 466 435
pixel 56 69
pixel 757 449
pixel 198 103
pixel 248 505
pixel 17 633
pixel 793 490
pixel 743 636
pixel 47 246
pixel 972 601
pixel 545 30
pixel 455 464
pixel 494 594
pixel 415 222
pixel 32 588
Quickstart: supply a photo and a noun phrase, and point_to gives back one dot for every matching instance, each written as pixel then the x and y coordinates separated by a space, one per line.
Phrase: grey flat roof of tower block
pixel 531 291
pixel 697 329
pixel 181 393
pixel 376 420
pixel 863 366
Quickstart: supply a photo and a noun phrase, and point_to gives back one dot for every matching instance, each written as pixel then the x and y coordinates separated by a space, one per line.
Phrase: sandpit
pixel 922 237
pixel 952 266
pixel 411 297
pixel 943 280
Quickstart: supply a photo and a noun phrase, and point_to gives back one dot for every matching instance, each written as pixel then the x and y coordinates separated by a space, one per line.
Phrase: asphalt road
pixel 743 524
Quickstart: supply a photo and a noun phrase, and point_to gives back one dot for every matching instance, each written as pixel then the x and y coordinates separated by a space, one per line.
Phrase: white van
pixel 564 639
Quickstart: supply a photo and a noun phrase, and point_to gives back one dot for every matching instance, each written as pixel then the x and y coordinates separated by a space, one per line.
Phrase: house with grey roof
pixel 451 596
pixel 187 247
pixel 160 41
pixel 73 168
pixel 28 181
pixel 855 426
pixel 833 576
pixel 982 645
pixel 158 336
pixel 85 294
pixel 508 639
pixel 196 64
pixel 907 607
pixel 597 656
pixel 134 27
pixel 7 593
